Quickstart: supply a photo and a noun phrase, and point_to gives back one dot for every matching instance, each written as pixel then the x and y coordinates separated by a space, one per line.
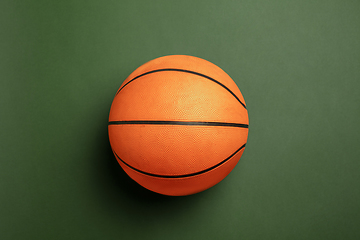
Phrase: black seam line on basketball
pixel 184 175
pixel 187 71
pixel 220 124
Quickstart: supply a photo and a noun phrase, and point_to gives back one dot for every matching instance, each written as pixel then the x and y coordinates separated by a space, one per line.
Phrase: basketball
pixel 178 125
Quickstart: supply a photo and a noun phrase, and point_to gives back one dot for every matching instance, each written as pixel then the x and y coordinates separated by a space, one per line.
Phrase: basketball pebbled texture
pixel 178 125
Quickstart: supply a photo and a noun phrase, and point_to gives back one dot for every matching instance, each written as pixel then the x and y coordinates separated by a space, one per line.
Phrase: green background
pixel 297 64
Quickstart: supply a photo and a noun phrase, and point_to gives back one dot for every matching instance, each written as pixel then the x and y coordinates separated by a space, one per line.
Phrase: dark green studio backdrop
pixel 296 62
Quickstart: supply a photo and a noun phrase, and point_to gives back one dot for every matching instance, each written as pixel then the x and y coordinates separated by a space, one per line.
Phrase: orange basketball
pixel 178 125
